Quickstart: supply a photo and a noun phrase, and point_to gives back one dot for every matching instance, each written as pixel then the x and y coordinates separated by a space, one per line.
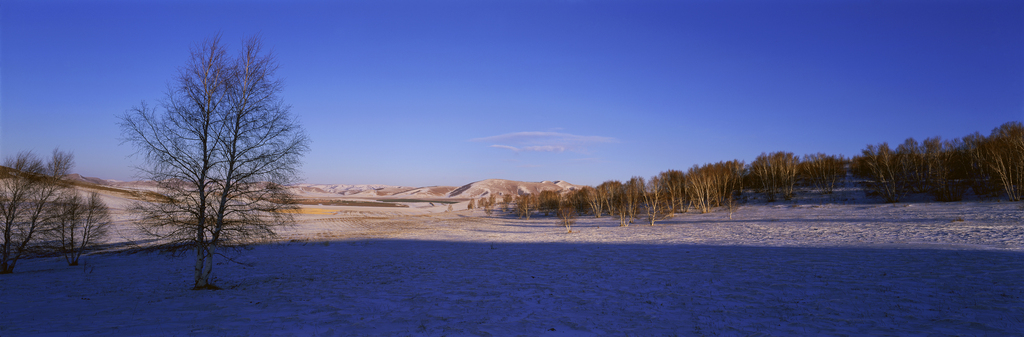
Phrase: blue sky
pixel 422 93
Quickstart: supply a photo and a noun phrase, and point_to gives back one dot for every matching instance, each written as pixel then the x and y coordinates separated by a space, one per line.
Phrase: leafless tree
pixel 675 189
pixel 912 163
pixel 701 187
pixel 731 182
pixel 655 199
pixel 222 148
pixel 471 205
pixel 633 194
pixel 567 212
pixel 948 168
pixel 823 172
pixel 775 173
pixel 980 175
pixel 606 195
pixel 593 200
pixel 505 201
pixel 547 202
pixel 80 223
pixel 488 204
pixel 880 165
pixel 525 204
pixel 28 189
pixel 1003 155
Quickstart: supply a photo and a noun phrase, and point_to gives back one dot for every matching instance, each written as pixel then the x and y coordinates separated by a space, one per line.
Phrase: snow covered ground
pixel 929 269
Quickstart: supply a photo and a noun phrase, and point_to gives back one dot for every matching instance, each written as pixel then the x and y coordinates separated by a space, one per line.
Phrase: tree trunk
pixel 204 266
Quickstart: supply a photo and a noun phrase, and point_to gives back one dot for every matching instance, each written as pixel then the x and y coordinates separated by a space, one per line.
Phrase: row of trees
pixel 990 166
pixel 42 212
pixel 946 169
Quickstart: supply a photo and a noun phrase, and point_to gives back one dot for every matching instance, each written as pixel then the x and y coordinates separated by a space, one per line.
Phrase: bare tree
pixel 566 212
pixel 730 182
pixel 1003 155
pixel 913 166
pixel 222 149
pixel 506 200
pixel 593 200
pixel 605 193
pixel 80 224
pixel 616 200
pixel 947 168
pixel 823 172
pixel 633 194
pixel 655 198
pixel 547 202
pixel 775 173
pixel 980 175
pixel 675 189
pixel 488 204
pixel 28 189
pixel 880 165
pixel 472 204
pixel 701 187
pixel 525 203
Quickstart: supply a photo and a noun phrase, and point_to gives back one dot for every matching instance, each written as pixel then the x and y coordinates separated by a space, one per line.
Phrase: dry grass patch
pixel 311 211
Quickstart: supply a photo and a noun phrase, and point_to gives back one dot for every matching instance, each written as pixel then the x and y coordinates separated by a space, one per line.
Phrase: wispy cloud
pixel 539 141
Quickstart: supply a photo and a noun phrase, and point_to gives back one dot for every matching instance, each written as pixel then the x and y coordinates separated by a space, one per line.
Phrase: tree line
pixel 990 166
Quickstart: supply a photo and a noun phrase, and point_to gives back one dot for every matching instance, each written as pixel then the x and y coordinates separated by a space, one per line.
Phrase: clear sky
pixel 420 93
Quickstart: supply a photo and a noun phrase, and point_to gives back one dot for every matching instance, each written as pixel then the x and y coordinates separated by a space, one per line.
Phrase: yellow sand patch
pixel 314 211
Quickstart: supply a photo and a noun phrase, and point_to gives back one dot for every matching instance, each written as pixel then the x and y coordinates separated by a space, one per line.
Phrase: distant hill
pixel 483 188
pixel 480 189
pixel 486 188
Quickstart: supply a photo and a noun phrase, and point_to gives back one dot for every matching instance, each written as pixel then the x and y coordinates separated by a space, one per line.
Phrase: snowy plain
pixel 909 269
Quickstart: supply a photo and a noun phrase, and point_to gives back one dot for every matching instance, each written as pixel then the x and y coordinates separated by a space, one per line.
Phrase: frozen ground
pixel 929 269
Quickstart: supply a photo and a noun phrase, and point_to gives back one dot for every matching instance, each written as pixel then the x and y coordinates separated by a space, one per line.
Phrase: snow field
pixel 773 270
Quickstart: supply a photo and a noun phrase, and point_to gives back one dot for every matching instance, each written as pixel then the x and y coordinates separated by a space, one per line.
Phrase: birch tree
pixel 221 147
pixel 655 199
pixel 823 172
pixel 80 223
pixel 880 165
pixel 1003 155
pixel 28 191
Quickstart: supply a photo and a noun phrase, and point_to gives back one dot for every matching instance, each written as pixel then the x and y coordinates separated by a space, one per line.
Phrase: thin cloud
pixel 539 141
pixel 513 148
